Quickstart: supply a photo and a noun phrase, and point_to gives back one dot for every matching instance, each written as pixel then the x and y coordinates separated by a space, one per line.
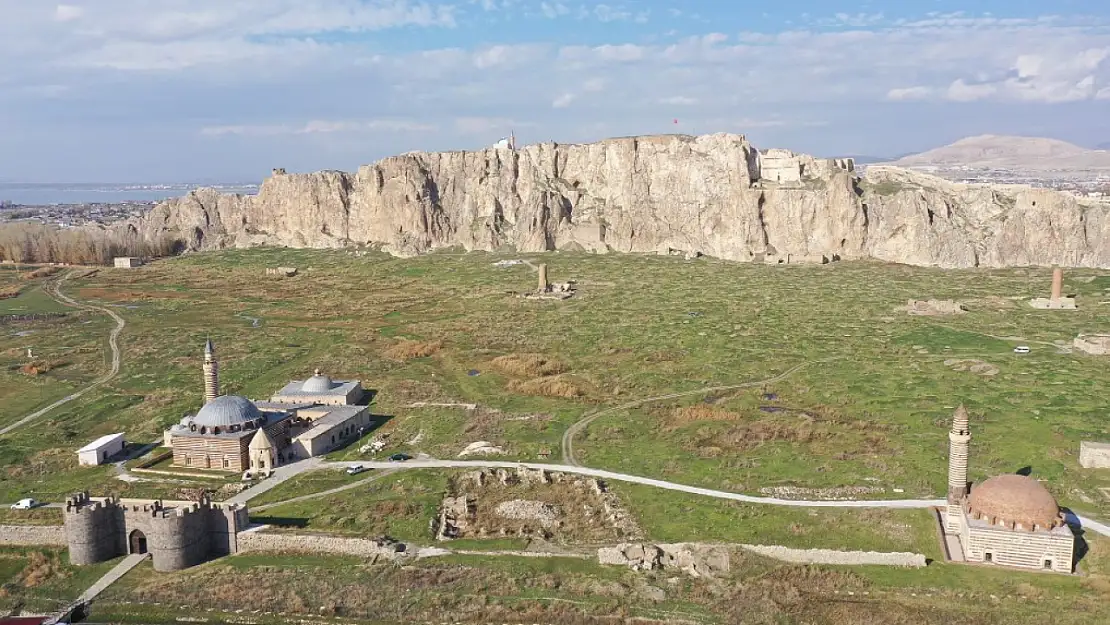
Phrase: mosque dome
pixel 1014 499
pixel 318 383
pixel 227 411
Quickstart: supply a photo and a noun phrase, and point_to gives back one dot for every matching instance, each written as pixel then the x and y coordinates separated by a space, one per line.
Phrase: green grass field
pixel 869 408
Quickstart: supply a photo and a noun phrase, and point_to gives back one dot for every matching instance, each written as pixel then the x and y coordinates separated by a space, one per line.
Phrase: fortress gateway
pixel 177 537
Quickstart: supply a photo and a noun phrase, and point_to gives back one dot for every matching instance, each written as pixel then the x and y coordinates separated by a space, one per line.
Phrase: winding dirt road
pixel 54 290
pixel 574 430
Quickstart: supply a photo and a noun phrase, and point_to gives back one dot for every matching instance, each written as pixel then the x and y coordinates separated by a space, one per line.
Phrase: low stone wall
pixel 832 556
pixel 33 535
pixel 256 540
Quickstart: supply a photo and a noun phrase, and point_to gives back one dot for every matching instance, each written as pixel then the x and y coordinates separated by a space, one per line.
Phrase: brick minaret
pixel 958 440
pixel 211 373
pixel 1057 283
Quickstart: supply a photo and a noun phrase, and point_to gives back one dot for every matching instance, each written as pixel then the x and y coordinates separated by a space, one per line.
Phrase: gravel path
pixel 376 476
pixel 54 290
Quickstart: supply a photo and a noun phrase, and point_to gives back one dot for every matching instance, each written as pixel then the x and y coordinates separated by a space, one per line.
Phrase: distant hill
pixel 1015 153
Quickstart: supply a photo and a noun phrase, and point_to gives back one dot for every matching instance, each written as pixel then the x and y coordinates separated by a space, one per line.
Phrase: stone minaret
pixel 958 440
pixel 211 373
pixel 544 285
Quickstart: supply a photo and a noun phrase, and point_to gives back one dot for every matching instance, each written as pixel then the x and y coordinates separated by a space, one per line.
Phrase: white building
pixel 127 262
pixel 98 451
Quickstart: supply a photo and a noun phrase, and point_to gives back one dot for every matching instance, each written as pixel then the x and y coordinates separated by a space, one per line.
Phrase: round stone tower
pixel 958 441
pixel 94 529
pixel 211 373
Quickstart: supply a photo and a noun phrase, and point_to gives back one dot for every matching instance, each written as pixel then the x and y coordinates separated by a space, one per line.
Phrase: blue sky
pixel 138 91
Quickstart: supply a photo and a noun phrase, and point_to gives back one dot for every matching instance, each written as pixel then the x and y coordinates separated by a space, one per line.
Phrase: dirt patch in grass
pixel 693 414
pixel 529 365
pixel 553 386
pixel 41 272
pixel 408 350
pixel 9 292
pixel 41 568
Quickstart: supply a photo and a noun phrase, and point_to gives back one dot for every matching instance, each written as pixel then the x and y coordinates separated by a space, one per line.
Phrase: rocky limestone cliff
pixel 703 194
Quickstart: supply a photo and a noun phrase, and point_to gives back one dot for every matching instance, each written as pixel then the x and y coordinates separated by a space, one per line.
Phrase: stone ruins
pixel 287 272
pixel 1056 300
pixel 1093 344
pixel 546 290
pixel 531 503
pixel 934 307
pixel 692 559
pixel 1094 455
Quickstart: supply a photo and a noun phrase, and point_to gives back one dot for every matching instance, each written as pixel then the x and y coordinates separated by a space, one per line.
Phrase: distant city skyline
pixel 118 91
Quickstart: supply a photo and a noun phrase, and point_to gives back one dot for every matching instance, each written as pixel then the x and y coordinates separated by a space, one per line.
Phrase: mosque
pixel 304 419
pixel 1007 520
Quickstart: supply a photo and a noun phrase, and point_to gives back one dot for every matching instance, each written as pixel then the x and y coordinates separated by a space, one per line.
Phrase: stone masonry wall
pixel 33 535
pixel 831 556
pixel 313 543
pixel 1094 455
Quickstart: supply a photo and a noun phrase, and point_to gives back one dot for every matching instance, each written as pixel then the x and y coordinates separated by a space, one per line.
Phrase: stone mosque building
pixel 232 433
pixel 1008 520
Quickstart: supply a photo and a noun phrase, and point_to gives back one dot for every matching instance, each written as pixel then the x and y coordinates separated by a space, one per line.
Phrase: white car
pixel 355 469
pixel 1021 349
pixel 25 504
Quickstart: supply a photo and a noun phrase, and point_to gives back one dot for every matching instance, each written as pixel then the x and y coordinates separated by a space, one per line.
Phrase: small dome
pixel 1014 499
pixel 226 411
pixel 317 383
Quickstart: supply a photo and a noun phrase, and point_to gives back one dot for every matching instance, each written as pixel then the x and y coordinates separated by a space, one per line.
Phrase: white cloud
pixel 68 12
pixel 320 127
pixel 908 93
pixel 563 101
pixel 962 91
pixel 230 68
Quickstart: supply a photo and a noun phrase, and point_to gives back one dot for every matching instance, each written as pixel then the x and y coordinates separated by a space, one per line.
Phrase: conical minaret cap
pixel 960 419
pixel 209 348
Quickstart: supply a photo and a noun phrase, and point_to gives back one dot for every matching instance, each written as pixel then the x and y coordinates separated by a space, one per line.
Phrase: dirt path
pixel 574 430
pixel 54 290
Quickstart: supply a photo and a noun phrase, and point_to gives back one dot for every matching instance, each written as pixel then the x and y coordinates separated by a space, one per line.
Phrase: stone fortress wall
pixel 33 535
pixel 779 165
pixel 176 538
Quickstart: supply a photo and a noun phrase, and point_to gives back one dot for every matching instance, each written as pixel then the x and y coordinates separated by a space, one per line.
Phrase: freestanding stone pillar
pixel 543 284
pixel 1057 283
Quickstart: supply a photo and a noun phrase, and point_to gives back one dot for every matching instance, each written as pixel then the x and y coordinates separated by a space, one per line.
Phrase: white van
pixel 25 504
pixel 1021 349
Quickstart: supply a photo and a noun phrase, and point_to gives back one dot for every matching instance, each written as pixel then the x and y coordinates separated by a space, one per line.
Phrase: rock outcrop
pixel 706 195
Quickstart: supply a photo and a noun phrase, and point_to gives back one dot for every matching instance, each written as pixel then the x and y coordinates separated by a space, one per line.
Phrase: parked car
pixel 399 457
pixel 1021 349
pixel 25 504
pixel 355 469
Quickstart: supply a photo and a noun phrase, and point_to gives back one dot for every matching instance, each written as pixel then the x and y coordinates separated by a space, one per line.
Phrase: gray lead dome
pixel 318 383
pixel 227 410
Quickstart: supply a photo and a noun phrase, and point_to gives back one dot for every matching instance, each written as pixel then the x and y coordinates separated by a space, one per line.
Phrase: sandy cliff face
pixel 647 194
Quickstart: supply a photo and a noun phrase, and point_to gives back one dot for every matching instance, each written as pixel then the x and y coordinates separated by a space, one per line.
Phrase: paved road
pixel 281 474
pixel 366 480
pixel 54 290
pixel 113 576
pixel 635 479
pixel 574 430
pixel 902 504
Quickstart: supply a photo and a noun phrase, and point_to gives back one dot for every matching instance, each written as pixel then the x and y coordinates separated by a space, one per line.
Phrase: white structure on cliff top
pixel 779 165
pixel 508 143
